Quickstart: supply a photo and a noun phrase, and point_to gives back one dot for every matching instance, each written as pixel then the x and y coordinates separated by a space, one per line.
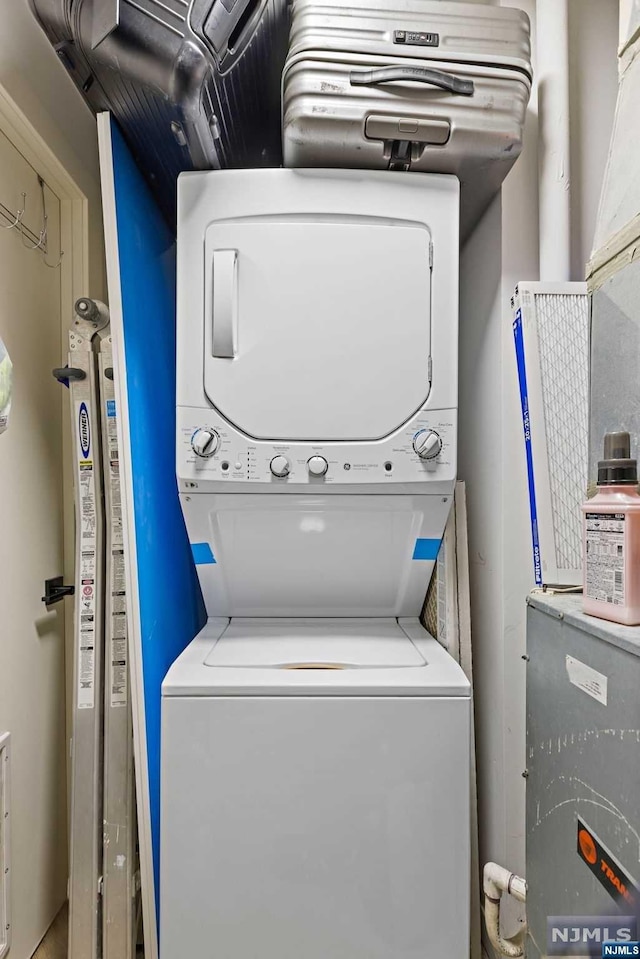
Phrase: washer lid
pixel 314 644
pixel 317 326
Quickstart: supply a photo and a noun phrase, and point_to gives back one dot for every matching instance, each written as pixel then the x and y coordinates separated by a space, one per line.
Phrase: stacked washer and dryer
pixel 315 793
pixel 315 738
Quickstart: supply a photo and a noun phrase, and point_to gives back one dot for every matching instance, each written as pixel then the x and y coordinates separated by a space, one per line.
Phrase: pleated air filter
pixel 551 336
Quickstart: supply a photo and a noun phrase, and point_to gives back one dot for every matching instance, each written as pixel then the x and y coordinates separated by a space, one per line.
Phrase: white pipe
pixel 552 49
pixel 496 880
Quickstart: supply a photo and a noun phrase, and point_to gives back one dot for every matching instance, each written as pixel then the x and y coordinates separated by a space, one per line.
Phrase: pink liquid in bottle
pixel 611 523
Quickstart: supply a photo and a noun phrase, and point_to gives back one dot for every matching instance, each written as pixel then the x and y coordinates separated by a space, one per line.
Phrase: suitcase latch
pixel 400 158
pixel 405 138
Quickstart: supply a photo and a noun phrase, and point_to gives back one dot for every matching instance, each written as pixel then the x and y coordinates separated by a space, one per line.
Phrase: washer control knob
pixel 205 442
pixel 317 465
pixel 279 466
pixel 427 444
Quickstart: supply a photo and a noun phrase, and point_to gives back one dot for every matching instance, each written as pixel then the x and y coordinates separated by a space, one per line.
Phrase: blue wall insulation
pixel 171 606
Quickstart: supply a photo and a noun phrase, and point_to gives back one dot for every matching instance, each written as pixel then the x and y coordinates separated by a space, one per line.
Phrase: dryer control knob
pixel 317 465
pixel 205 442
pixel 427 444
pixel 279 466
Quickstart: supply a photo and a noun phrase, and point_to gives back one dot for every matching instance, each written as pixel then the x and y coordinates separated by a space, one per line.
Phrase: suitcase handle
pixel 436 78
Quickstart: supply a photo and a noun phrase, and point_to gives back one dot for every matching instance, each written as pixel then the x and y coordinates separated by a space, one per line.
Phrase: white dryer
pixel 315 753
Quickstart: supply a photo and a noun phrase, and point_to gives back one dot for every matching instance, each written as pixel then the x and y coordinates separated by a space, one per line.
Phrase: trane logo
pixel 606 869
pixel 84 431
pixel 585 935
pixel 616 881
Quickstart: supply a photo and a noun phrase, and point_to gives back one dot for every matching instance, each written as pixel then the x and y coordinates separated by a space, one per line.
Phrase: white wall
pixel 479 458
pixel 37 82
pixel 503 250
pixel 32 639
pixel 629 19
pixel 593 26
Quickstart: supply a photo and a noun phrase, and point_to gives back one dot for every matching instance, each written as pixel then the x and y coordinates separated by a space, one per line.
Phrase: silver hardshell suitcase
pixel 424 85
pixel 193 84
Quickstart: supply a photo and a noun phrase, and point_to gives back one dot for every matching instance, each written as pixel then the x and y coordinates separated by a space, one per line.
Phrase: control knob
pixel 317 465
pixel 205 442
pixel 279 466
pixel 427 444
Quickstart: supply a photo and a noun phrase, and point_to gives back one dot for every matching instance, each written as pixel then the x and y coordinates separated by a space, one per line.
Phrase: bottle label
pixel 605 557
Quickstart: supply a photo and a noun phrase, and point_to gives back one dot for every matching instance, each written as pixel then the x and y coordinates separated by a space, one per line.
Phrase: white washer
pixel 315 746
pixel 315 812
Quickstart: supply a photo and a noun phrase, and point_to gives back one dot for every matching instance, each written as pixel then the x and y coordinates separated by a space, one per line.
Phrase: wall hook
pixel 17 223
pixel 42 239
pixel 55 590
pixel 52 266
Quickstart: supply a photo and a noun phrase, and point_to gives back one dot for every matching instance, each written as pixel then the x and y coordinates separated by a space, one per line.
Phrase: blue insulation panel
pixel 171 607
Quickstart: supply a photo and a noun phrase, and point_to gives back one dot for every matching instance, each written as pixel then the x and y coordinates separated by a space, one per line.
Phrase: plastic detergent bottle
pixel 612 537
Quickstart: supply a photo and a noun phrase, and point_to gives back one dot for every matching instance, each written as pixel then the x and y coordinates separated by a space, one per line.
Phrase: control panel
pixel 210 450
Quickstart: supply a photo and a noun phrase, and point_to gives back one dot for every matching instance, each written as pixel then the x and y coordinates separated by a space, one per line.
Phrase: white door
pixel 317 328
pixel 32 655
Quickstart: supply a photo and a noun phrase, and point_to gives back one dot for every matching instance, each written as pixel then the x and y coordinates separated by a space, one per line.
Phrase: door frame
pixel 74 283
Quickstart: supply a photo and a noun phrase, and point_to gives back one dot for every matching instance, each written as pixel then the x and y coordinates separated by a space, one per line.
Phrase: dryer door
pixel 317 328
